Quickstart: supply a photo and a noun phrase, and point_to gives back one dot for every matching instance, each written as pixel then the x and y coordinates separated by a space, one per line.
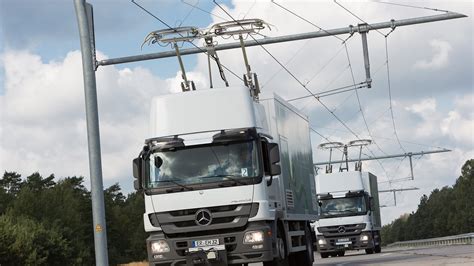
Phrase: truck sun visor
pixel 233 135
pixel 325 196
pixel 355 193
pixel 165 143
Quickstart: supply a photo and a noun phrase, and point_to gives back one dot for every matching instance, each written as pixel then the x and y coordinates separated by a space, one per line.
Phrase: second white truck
pixel 349 213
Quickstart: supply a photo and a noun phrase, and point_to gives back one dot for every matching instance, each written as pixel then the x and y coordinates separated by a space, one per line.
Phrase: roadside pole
pixel 93 137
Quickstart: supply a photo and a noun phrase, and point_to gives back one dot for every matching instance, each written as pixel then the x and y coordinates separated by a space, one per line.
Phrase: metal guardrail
pixel 463 239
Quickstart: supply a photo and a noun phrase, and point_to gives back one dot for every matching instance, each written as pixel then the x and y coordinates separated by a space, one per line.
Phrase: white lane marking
pixel 385 254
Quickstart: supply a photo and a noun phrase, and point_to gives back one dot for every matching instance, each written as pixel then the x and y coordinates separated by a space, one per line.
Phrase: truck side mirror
pixel 271 156
pixel 371 203
pixel 137 173
pixel 273 160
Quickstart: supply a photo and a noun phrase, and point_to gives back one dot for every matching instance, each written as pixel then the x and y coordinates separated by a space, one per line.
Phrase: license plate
pixel 205 243
pixel 207 248
pixel 343 240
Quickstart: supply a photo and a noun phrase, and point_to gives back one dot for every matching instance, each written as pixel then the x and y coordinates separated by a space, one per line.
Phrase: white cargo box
pixel 290 129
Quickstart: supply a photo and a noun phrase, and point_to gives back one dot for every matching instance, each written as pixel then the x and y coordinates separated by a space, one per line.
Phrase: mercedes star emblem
pixel 203 217
pixel 341 229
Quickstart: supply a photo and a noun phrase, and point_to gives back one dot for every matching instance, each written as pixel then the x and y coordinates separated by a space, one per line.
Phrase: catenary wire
pixel 353 14
pixel 302 18
pixel 352 74
pixel 251 7
pixel 188 14
pixel 290 73
pixel 331 92
pixel 387 64
pixel 412 6
pixel 294 77
pixel 343 41
pixel 360 106
pixel 264 84
pixel 390 96
pixel 299 82
pixel 203 10
pixel 271 55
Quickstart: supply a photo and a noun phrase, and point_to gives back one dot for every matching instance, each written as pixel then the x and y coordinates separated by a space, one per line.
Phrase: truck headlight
pixel 159 246
pixel 253 237
pixel 364 238
pixel 322 242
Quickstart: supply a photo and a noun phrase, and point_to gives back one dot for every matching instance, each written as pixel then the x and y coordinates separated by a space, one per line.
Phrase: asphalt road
pixel 444 255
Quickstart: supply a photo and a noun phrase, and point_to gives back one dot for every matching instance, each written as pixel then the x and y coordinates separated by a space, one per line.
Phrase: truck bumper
pixel 231 249
pixel 351 242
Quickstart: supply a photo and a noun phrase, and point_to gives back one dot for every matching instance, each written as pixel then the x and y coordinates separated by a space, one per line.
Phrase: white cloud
pixel 35 90
pixel 43 119
pixel 425 108
pixel 459 123
pixel 440 57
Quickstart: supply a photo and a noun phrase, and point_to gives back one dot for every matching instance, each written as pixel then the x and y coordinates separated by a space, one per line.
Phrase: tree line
pixel 446 211
pixel 48 222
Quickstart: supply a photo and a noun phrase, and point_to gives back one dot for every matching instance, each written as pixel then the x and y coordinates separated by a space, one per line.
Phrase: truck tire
pixel 324 255
pixel 341 253
pixel 305 257
pixel 377 249
pixel 282 259
pixel 369 250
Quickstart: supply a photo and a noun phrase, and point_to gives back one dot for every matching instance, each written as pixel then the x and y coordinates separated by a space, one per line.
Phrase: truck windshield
pixel 236 162
pixel 343 207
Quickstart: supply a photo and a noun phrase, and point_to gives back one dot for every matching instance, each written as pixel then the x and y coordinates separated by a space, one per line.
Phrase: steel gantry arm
pixel 287 38
pixel 395 195
pixel 408 154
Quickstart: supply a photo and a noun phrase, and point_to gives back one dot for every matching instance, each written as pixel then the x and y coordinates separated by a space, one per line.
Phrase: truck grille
pixel 341 230
pixel 220 217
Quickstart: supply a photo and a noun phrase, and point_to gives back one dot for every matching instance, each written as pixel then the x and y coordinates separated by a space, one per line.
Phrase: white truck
pixel 349 213
pixel 227 179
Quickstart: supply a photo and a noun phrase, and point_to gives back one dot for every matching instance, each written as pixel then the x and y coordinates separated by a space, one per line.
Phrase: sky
pixel 428 86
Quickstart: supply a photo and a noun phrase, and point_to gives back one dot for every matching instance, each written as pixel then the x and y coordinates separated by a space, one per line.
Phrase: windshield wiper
pixel 339 212
pixel 230 177
pixel 174 181
pixel 334 211
pixel 351 210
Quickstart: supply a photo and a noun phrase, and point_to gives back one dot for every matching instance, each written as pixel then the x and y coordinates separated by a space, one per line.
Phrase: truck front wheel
pixel 306 257
pixel 282 259
pixel 377 249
